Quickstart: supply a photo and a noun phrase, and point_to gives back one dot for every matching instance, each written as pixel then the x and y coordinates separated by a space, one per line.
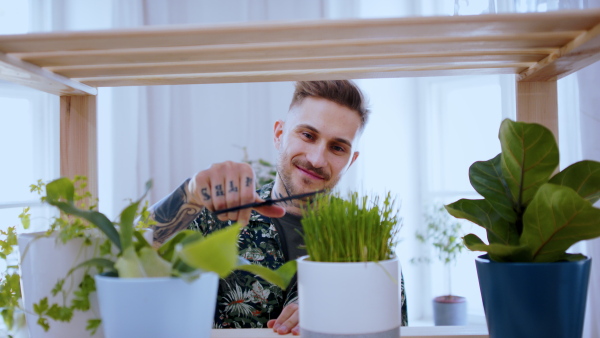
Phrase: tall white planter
pixel 157 307
pixel 350 299
pixel 45 260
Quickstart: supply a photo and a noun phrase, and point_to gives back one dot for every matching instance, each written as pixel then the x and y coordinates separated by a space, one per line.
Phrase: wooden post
pixel 78 141
pixel 537 102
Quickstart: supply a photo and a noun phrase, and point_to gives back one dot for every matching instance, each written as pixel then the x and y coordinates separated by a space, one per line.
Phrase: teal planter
pixel 531 300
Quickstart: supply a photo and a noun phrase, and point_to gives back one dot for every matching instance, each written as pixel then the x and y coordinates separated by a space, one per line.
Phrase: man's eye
pixel 307 136
pixel 338 149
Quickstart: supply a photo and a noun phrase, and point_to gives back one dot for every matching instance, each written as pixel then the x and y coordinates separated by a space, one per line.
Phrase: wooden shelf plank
pixel 239 33
pixel 304 75
pixel 23 73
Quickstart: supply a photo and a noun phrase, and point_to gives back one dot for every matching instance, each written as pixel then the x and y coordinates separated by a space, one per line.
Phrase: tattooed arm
pixel 223 185
pixel 174 213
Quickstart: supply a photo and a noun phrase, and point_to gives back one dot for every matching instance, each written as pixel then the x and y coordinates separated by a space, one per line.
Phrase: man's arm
pixel 174 213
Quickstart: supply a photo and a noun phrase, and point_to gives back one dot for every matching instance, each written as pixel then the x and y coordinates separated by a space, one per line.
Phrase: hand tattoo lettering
pixel 219 189
pixel 248 181
pixel 205 194
pixel 232 188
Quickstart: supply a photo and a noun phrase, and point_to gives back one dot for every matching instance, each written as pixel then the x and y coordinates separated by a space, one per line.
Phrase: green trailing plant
pixel 10 282
pixel 355 229
pixel 530 212
pixel 186 255
pixel 444 234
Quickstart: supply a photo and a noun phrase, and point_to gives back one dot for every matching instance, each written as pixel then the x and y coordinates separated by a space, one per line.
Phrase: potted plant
pixel 53 305
pixel 444 235
pixel 348 282
pixel 530 285
pixel 10 284
pixel 165 291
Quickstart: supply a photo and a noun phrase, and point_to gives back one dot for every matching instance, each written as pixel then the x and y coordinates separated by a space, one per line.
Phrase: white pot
pixel 157 307
pixel 352 299
pixel 45 260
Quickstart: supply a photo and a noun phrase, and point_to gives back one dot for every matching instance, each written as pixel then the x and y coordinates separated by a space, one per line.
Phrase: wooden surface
pixel 78 139
pixel 537 46
pixel 405 332
pixel 538 102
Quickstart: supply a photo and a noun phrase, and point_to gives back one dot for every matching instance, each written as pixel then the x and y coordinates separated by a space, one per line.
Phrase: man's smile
pixel 310 173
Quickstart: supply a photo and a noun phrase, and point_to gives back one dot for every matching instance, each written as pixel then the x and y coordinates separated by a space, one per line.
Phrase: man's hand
pixel 287 321
pixel 227 185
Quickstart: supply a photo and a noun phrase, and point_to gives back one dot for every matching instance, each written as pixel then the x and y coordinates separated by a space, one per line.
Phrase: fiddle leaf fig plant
pixel 531 213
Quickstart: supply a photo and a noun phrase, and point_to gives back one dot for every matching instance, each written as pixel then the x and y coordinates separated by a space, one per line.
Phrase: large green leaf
pixel 583 177
pixel 280 277
pixel 145 263
pixel 481 212
pixel 529 157
pixel 556 219
pixel 128 217
pixel 217 252
pixel 486 178
pixel 497 252
pixel 63 189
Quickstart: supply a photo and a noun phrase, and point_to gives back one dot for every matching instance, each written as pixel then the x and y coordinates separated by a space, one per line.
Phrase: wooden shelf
pixel 537 46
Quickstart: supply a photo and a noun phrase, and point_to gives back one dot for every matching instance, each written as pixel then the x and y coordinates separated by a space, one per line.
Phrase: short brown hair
pixel 342 92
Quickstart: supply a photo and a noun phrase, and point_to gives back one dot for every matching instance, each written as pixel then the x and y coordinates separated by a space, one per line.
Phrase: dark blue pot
pixel 528 300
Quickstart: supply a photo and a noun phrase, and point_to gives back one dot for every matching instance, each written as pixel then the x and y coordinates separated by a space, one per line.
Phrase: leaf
pixel 41 307
pixel 583 177
pixel 280 277
pixel 25 218
pixel 497 252
pixel 167 250
pixel 60 313
pixel 153 264
pixel 58 287
pixel 96 262
pixel 216 252
pixel 529 157
pixel 481 212
pixel 128 265
pixel 556 219
pixel 93 325
pixel 127 218
pixel 486 178
pixel 43 322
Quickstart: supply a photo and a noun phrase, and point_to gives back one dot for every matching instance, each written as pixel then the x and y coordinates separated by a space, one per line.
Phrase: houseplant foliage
pixel 186 255
pixel 444 233
pixel 350 244
pixel 531 213
pixel 354 229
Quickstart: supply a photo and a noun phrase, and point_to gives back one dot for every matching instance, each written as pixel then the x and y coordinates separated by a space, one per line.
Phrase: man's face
pixel 316 145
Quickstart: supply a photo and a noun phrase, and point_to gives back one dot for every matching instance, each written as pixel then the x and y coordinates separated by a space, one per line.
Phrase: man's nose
pixel 316 156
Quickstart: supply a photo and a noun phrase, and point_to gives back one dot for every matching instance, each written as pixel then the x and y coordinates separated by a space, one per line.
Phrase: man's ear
pixel 277 133
pixel 354 157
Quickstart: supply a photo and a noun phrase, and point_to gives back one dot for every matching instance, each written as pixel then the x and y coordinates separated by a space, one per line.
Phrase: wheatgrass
pixel 355 229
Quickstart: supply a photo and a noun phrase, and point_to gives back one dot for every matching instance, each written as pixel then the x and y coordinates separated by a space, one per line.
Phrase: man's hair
pixel 342 92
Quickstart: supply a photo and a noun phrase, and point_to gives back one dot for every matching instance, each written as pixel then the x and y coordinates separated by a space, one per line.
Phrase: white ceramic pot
pixel 157 307
pixel 349 299
pixel 45 260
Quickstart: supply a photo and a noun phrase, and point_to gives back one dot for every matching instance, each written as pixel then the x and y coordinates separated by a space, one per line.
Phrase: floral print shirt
pixel 244 300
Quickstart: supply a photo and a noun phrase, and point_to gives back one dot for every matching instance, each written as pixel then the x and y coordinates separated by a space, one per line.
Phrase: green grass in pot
pixel 356 229
pixel 531 213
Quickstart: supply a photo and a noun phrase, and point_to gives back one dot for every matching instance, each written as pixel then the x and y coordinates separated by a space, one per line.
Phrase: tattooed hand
pixel 226 185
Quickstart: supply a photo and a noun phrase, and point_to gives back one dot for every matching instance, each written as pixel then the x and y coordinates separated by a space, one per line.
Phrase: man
pixel 316 145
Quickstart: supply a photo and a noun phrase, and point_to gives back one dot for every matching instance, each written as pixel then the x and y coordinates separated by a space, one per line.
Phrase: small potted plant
pixel 146 291
pixel 444 234
pixel 531 287
pixel 348 282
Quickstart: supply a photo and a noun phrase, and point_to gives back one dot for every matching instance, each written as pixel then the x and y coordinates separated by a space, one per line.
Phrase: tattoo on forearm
pixel 205 194
pixel 173 213
pixel 248 181
pixel 219 189
pixel 232 188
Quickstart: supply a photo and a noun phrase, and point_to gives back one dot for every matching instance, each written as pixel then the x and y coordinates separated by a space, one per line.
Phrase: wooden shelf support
pixel 78 139
pixel 537 102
